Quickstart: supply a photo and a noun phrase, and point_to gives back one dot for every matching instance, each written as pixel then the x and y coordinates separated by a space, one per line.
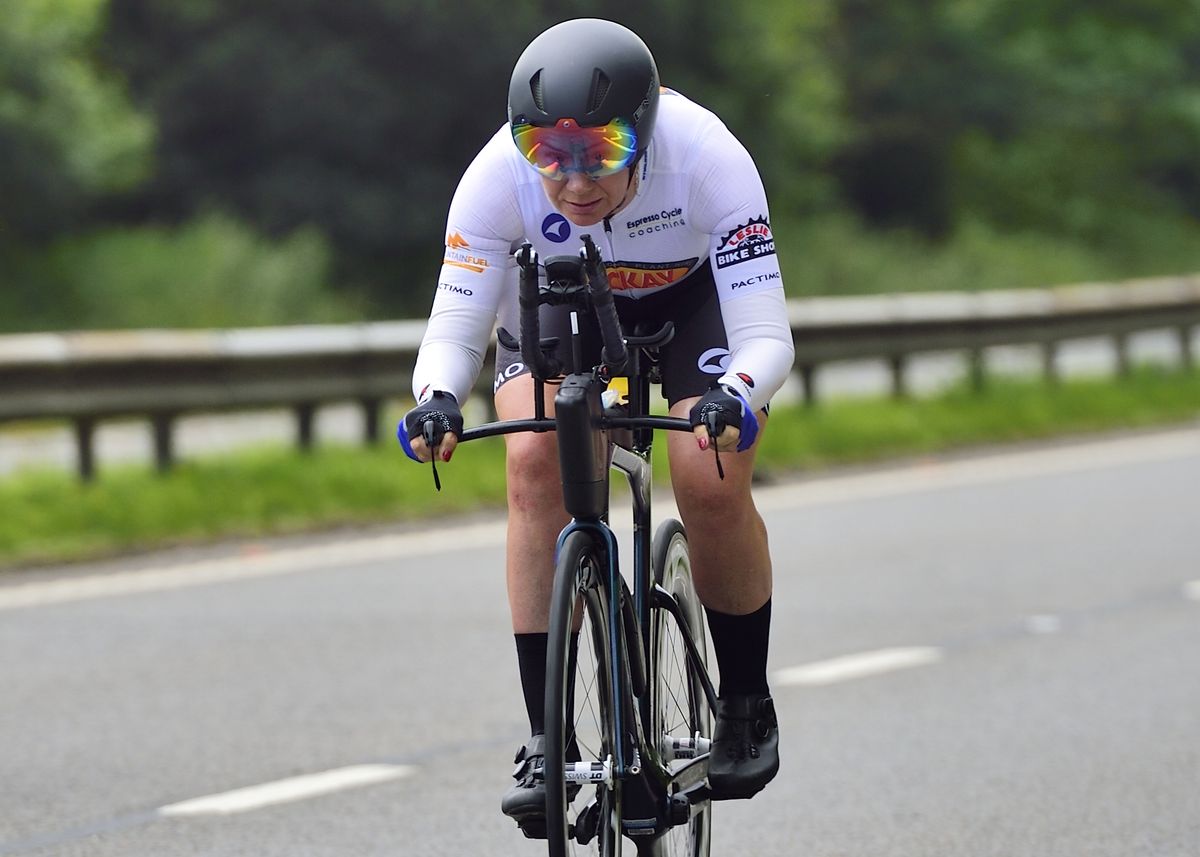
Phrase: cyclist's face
pixel 586 201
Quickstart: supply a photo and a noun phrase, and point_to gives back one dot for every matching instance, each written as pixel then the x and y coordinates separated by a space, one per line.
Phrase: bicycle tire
pixel 679 705
pixel 579 706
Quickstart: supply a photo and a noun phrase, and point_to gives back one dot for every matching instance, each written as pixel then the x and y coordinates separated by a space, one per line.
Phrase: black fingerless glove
pixel 723 406
pixel 442 410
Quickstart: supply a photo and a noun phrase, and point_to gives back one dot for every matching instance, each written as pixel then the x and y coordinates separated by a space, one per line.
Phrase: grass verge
pixel 48 516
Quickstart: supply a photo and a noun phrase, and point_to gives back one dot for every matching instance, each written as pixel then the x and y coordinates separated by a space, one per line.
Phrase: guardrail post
pixel 1050 361
pixel 897 364
pixel 371 412
pixel 85 436
pixel 164 429
pixel 808 384
pixel 1121 344
pixel 306 413
pixel 1186 355
pixel 977 369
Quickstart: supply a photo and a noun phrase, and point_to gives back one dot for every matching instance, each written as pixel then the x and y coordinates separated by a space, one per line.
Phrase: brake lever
pixel 429 433
pixel 712 423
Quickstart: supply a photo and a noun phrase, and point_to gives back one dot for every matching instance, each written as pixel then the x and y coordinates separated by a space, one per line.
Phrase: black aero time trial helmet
pixel 595 83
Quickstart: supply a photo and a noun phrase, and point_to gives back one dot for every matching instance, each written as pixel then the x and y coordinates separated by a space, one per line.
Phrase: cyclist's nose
pixel 579 182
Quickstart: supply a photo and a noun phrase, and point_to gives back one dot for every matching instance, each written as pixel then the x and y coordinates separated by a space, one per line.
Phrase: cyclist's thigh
pixel 694 359
pixel 699 352
pixel 514 399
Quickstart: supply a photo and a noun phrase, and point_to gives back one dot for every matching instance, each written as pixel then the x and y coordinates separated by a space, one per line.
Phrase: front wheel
pixel 583 804
pixel 681 719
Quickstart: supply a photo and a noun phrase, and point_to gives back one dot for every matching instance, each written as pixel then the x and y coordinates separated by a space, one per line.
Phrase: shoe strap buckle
pixel 530 768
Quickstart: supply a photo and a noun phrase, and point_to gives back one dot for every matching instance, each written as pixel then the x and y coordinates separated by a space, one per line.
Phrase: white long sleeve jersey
pixel 699 198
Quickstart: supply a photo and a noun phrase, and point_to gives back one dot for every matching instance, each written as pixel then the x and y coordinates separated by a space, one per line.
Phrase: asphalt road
pixel 995 655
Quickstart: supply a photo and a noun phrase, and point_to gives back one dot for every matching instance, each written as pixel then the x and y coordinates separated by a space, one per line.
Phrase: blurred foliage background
pixel 214 162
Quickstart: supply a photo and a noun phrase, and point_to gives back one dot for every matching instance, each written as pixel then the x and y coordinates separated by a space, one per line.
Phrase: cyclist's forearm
pixel 452 351
pixel 760 341
pixel 446 367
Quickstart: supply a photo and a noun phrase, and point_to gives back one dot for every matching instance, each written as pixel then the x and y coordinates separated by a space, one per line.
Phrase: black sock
pixel 531 661
pixel 740 644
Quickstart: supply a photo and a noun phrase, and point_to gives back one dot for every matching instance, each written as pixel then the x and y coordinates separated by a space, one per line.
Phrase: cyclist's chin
pixel 582 215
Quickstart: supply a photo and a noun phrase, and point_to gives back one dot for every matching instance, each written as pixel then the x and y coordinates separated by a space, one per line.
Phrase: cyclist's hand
pixel 431 428
pixel 724 413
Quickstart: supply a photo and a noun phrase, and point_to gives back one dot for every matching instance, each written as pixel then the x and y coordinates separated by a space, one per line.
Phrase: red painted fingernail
pixel 703 443
pixel 446 455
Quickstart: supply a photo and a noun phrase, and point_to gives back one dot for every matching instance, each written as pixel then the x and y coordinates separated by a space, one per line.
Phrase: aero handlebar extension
pixel 566 277
pixel 615 355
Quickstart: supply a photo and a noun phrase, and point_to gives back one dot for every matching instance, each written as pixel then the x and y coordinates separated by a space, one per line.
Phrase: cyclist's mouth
pixel 581 207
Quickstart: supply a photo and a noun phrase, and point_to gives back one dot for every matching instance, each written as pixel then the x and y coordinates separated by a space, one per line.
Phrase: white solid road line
pixel 286 791
pixel 334 555
pixel 984 470
pixel 1001 467
pixel 862 665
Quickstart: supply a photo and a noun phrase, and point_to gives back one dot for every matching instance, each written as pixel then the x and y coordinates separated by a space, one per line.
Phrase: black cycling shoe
pixel 744 755
pixel 525 802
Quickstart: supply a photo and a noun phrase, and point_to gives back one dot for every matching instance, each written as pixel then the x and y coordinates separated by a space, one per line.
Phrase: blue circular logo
pixel 556 228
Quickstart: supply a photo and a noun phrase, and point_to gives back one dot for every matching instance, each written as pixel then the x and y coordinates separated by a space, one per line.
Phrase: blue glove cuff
pixel 405 443
pixel 749 426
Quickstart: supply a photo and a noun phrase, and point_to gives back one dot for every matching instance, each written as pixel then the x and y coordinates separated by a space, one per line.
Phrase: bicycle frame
pixel 586 458
pixel 587 455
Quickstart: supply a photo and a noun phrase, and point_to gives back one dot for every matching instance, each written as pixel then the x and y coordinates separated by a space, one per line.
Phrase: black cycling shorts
pixel 689 363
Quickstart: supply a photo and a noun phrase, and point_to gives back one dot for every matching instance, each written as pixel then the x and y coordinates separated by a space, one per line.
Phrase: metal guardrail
pixel 162 374
pixel 896 327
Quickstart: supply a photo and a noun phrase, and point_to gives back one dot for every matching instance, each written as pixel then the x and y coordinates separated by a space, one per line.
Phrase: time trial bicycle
pixel 629 700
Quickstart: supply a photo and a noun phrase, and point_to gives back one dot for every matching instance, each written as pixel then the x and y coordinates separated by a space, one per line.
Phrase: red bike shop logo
pixel 624 276
pixel 750 241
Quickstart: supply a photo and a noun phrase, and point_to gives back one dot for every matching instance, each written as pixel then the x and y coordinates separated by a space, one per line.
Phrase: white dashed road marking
pixel 1192 590
pixel 1044 623
pixel 862 665
pixel 286 791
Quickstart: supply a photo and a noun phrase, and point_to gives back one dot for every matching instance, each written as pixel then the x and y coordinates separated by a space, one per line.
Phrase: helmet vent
pixel 600 87
pixel 535 86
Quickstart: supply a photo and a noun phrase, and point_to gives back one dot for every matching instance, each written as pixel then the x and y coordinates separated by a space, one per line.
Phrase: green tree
pixel 68 135
pixel 771 78
pixel 1109 124
pixel 1068 118
pixel 918 76
pixel 355 117
pixel 359 117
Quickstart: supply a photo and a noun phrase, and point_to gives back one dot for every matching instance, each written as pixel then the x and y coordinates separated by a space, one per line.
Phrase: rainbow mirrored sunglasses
pixel 566 147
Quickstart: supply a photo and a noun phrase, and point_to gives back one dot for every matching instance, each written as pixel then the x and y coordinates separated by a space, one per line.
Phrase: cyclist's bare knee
pixel 700 492
pixel 532 467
